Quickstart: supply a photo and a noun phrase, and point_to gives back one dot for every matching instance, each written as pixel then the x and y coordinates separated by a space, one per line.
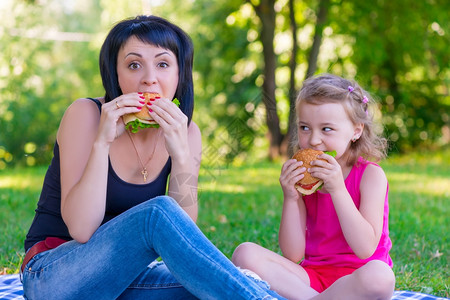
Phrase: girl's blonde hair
pixel 327 88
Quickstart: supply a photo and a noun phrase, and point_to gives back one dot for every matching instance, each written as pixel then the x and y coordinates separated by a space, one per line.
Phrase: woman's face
pixel 143 67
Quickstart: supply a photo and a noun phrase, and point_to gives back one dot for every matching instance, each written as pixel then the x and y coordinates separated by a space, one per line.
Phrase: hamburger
pixel 309 184
pixel 142 119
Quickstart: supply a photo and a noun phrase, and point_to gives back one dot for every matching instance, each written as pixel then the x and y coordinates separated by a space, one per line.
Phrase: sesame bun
pixel 308 184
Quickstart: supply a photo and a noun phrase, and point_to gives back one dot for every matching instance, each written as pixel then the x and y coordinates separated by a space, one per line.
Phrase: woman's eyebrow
pixel 133 53
pixel 139 55
pixel 162 53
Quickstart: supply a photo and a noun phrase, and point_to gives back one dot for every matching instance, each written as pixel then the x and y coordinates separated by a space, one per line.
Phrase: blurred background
pixel 250 60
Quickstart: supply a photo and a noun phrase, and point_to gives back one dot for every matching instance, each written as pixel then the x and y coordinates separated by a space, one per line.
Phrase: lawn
pixel 243 203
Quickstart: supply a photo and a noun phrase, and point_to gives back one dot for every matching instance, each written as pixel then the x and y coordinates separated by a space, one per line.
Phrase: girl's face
pixel 142 67
pixel 326 127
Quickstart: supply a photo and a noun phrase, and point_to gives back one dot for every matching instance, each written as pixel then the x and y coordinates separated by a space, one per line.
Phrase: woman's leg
pixel 120 250
pixel 373 281
pixel 284 276
pixel 156 283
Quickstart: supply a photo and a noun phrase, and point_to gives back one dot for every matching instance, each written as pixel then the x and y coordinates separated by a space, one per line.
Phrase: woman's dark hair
pixel 155 31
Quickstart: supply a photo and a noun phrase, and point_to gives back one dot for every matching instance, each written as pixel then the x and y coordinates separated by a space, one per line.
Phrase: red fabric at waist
pixel 47 244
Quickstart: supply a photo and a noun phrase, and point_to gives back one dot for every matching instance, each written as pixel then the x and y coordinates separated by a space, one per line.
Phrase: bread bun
pixel 143 115
pixel 308 184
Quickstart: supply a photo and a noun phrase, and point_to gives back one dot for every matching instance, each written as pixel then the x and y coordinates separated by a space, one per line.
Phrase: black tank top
pixel 120 196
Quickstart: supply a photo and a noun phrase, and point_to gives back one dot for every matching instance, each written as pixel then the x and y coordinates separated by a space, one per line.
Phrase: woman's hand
pixel 111 125
pixel 329 171
pixel 173 122
pixel 291 172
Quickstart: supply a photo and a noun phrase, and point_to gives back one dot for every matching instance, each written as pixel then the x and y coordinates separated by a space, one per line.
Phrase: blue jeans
pixel 114 263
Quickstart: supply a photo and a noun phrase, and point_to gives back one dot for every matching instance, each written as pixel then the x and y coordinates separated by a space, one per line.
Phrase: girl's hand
pixel 291 172
pixel 329 171
pixel 173 122
pixel 111 125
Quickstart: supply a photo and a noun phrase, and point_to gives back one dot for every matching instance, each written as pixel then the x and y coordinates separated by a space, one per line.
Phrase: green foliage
pixel 45 69
pixel 396 49
pixel 226 70
pixel 400 53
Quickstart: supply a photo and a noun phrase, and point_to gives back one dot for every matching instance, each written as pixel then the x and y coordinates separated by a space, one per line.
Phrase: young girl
pixel 340 232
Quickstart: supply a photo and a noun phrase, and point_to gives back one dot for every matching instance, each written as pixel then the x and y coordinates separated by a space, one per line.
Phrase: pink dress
pixel 325 242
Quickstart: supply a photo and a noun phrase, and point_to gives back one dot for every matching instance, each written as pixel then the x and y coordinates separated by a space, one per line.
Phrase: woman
pixel 95 231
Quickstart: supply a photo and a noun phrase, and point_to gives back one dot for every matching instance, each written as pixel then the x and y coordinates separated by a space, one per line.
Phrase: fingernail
pixel 139 108
pixel 149 103
pixel 140 93
pixel 150 110
pixel 142 102
pixel 142 97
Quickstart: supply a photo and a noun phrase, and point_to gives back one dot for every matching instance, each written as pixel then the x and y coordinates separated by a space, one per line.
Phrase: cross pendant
pixel 144 173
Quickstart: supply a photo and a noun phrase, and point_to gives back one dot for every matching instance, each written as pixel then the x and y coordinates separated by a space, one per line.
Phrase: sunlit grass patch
pixel 30 178
pixel 419 220
pixel 19 192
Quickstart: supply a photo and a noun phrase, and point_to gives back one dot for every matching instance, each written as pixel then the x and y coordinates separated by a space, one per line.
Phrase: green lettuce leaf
pixel 331 153
pixel 177 102
pixel 136 124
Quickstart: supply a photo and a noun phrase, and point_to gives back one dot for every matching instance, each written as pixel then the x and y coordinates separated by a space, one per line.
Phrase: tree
pixel 246 72
pixel 266 13
pixel 400 53
pixel 50 59
pixel 287 146
pixel 47 65
pixel 323 8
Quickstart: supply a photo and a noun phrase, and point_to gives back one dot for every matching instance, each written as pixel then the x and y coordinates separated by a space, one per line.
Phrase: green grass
pixel 19 192
pixel 243 203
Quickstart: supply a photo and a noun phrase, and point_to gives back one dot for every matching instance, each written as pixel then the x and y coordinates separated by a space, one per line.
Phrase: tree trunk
pixel 266 13
pixel 287 144
pixel 320 24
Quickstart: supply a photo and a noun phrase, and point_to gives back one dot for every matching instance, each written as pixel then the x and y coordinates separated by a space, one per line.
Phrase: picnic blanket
pixel 11 289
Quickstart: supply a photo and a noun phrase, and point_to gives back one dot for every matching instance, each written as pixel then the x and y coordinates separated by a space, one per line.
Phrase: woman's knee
pixel 158 205
pixel 163 202
pixel 378 279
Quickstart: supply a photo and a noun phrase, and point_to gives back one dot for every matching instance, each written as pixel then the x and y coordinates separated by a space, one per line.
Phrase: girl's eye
pixel 327 129
pixel 134 66
pixel 304 128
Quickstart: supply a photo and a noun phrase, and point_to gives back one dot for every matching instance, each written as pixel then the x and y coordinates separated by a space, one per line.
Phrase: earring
pixel 355 138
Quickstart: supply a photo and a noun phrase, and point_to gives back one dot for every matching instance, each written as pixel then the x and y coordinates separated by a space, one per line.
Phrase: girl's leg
pixel 284 276
pixel 120 250
pixel 374 280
